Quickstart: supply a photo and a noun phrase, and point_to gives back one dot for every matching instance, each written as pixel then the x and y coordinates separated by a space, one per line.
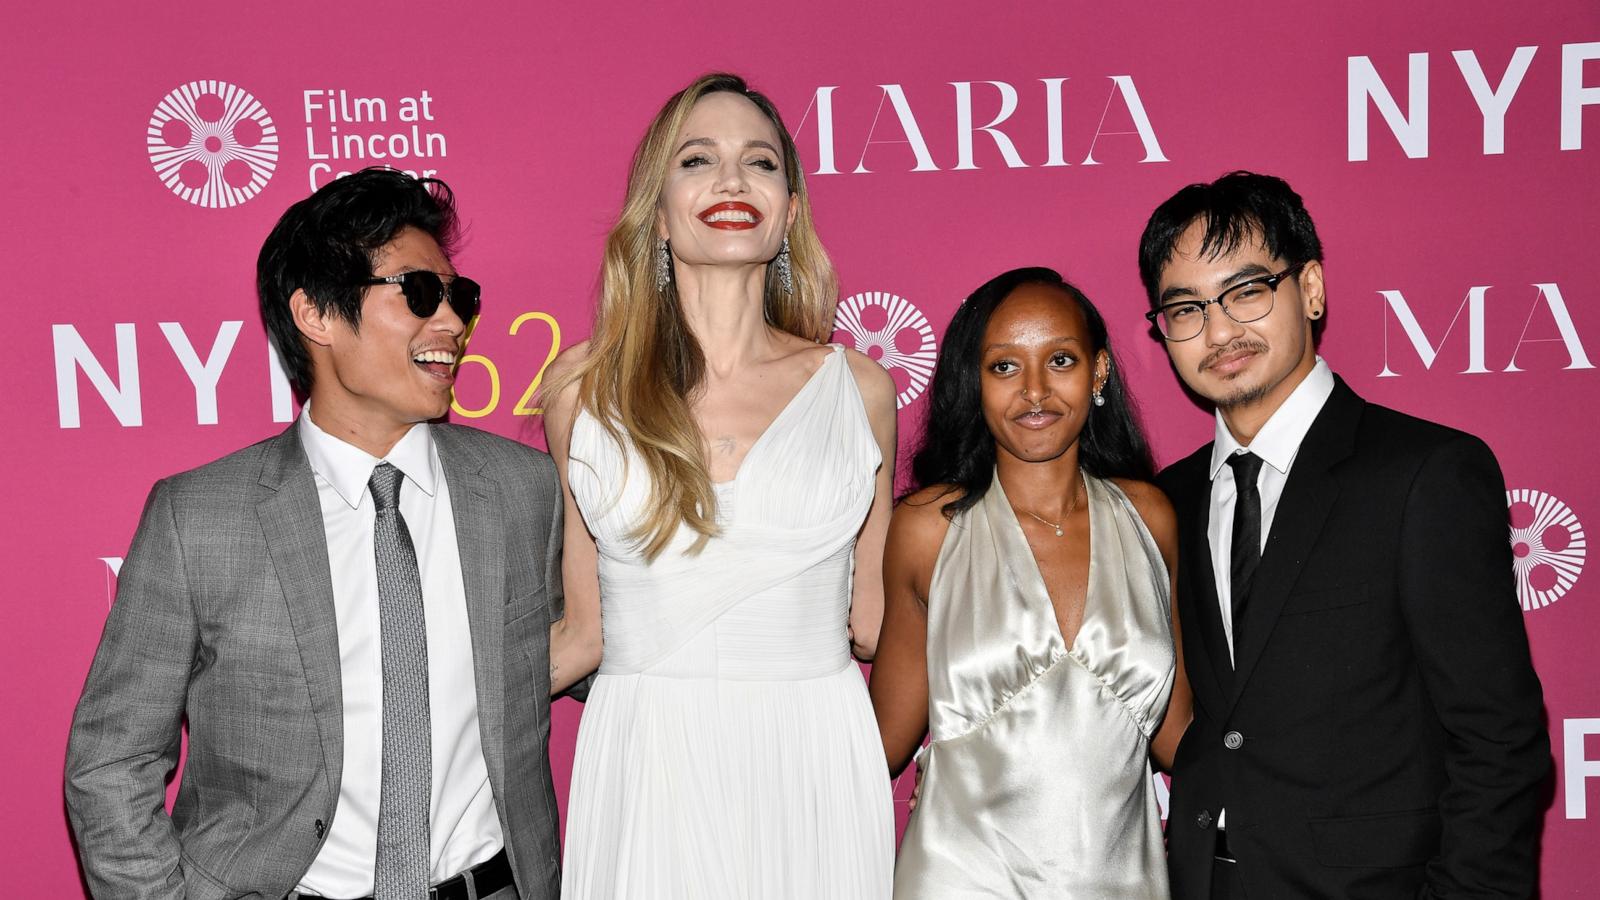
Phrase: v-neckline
pixel 811 380
pixel 1014 525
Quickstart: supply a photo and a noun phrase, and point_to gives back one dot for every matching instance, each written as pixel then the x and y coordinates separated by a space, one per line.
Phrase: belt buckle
pixel 449 885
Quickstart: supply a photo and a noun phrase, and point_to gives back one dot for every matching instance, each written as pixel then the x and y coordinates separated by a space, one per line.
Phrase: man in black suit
pixel 1367 720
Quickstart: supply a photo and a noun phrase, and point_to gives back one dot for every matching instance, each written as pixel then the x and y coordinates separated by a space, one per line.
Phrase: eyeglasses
pixel 1244 302
pixel 425 290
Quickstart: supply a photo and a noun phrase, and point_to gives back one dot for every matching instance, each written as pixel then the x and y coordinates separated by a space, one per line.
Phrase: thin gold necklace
pixel 1071 508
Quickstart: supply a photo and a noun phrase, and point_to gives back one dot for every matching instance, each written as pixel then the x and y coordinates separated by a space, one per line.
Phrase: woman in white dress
pixel 728 484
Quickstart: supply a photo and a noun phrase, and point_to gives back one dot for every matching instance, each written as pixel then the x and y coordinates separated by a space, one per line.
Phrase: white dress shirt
pixel 1277 443
pixel 465 827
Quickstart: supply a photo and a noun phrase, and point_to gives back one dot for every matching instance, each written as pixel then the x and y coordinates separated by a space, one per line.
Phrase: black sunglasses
pixel 425 290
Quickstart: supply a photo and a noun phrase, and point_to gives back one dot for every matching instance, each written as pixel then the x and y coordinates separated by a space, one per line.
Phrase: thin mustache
pixel 1235 347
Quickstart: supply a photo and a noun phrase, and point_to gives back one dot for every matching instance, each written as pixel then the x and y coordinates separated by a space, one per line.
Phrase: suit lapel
pixel 481 538
pixel 291 520
pixel 1211 654
pixel 1308 497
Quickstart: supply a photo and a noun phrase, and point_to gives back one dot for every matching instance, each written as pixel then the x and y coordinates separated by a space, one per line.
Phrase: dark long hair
pixel 957 448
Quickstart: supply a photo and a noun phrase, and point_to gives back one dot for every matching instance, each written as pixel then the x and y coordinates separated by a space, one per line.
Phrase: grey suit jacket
pixel 224 617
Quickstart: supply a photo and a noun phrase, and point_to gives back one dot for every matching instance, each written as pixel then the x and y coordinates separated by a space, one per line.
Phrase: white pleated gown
pixel 728 748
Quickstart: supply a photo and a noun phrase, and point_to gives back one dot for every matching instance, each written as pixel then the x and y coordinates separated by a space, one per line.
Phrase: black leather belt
pixel 1222 852
pixel 487 877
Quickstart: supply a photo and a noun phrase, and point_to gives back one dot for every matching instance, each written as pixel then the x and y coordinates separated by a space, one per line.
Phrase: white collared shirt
pixel 465 825
pixel 1277 443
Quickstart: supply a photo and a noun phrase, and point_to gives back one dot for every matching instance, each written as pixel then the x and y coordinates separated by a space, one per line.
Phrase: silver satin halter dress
pixel 1037 780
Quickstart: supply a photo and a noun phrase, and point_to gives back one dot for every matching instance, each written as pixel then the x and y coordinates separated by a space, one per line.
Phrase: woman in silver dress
pixel 1028 626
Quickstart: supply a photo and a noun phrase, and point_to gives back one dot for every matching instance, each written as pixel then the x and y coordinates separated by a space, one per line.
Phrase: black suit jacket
pixel 1382 734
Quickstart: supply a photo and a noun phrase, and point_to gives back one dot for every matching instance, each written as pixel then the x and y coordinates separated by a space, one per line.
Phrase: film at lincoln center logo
pixel 212 144
pixel 1547 545
pixel 893 332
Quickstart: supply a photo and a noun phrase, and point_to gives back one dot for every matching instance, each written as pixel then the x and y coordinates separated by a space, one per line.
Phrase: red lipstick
pixel 730 216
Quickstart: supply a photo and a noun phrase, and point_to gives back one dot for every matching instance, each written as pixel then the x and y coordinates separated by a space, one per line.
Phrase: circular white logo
pixel 1548 544
pixel 893 332
pixel 212 144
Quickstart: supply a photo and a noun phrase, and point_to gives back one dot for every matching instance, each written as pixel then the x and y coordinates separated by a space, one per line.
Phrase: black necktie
pixel 1246 534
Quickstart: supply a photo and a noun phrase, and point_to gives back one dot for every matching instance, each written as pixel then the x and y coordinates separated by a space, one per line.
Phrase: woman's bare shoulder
pixel 872 380
pixel 561 407
pixel 568 359
pixel 921 513
pixel 1152 506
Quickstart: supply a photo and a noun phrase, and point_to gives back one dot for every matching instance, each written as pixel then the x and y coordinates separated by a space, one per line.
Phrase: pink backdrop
pixel 1448 151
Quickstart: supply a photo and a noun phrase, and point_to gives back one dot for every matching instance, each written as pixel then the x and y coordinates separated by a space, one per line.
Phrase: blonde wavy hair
pixel 643 365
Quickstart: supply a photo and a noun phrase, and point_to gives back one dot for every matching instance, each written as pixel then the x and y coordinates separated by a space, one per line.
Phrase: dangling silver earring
pixel 1099 398
pixel 785 271
pixel 663 264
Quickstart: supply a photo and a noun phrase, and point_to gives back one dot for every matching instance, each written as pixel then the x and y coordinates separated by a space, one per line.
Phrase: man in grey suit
pixel 352 617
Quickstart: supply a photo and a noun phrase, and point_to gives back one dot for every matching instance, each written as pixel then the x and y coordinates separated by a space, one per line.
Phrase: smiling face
pixel 726 200
pixel 394 369
pixel 1038 373
pixel 1257 365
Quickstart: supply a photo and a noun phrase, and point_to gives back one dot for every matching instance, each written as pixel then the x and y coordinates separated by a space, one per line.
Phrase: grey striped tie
pixel 401 871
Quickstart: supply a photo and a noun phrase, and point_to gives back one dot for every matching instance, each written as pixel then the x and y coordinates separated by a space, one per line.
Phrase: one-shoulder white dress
pixel 728 748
